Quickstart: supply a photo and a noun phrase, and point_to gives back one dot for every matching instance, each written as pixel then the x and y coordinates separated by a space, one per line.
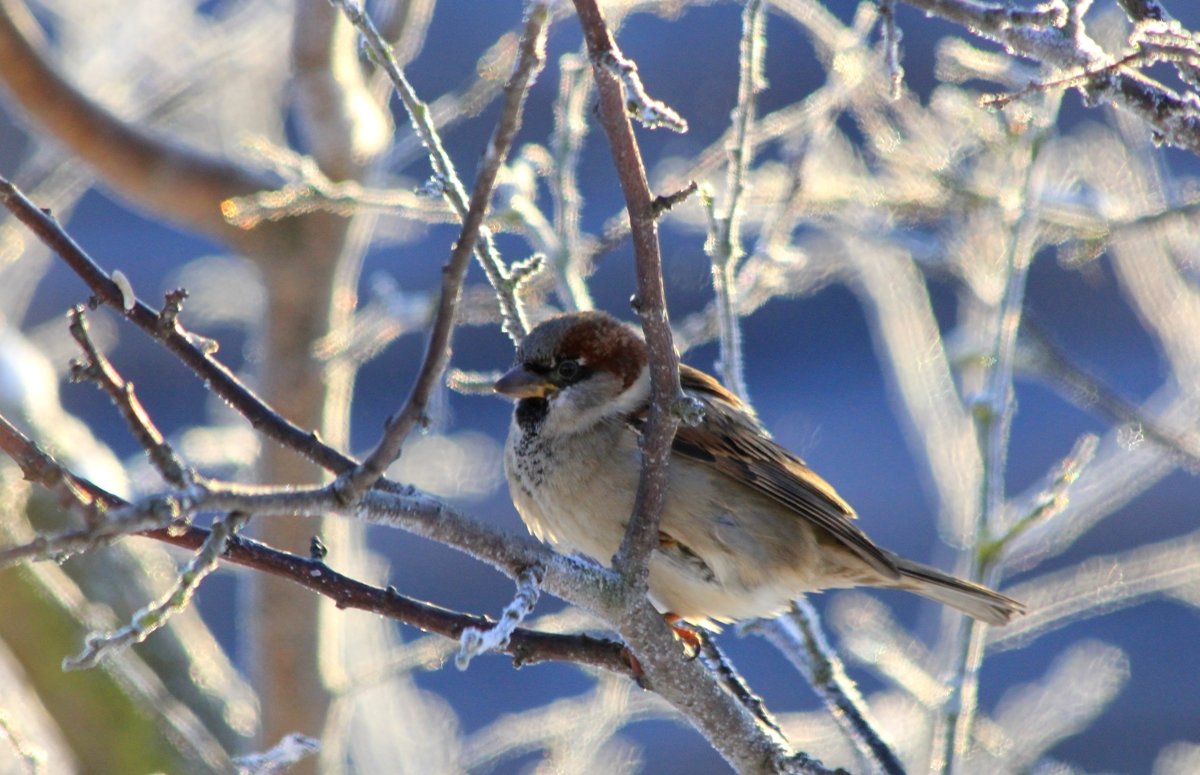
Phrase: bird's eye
pixel 567 370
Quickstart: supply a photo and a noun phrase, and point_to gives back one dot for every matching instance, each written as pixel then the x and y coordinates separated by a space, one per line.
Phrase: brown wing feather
pixel 736 444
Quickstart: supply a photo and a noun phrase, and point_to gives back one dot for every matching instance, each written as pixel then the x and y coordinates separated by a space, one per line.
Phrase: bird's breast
pixel 575 491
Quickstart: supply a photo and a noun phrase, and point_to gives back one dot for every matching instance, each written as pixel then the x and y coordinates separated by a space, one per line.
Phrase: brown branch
pixel 665 202
pixel 98 369
pixel 166 330
pixel 182 183
pixel 530 62
pixel 526 646
pixel 728 725
pixel 650 302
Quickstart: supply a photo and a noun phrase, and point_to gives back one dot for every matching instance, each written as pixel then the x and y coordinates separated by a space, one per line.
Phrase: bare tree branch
pixel 177 340
pixel 1043 35
pixel 526 646
pixel 727 724
pixel 445 173
pixel 437 354
pixel 798 634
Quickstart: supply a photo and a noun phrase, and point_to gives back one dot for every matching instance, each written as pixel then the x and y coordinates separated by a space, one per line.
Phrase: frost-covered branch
pixel 474 642
pixel 799 636
pixel 308 189
pixel 437 352
pixel 160 517
pixel 1044 35
pixel 98 369
pixel 724 242
pixel 284 754
pixel 444 171
pixel 154 615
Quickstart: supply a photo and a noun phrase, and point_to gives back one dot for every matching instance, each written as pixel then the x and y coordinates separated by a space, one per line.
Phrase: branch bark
pixel 1044 35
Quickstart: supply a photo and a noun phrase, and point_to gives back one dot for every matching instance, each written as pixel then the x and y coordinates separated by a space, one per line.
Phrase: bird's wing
pixel 732 441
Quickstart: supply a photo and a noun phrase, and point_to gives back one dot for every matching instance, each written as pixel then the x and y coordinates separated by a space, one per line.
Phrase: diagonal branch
pixel 165 329
pixel 445 175
pixel 98 369
pixel 798 634
pixel 437 353
pixel 526 646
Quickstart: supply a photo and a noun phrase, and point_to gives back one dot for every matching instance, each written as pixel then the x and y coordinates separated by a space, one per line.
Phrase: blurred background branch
pixel 954 265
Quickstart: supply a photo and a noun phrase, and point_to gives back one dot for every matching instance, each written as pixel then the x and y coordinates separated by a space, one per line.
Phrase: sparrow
pixel 746 527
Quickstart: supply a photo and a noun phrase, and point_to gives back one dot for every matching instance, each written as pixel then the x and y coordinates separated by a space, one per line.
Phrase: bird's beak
pixel 519 382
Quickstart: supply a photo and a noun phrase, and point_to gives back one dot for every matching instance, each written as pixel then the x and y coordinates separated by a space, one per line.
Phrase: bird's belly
pixel 712 565
pixel 708 603
pixel 580 508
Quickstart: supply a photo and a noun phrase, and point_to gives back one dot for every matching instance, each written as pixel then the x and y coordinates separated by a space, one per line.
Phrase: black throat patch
pixel 531 413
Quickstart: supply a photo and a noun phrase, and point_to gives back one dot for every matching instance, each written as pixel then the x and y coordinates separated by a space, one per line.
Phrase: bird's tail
pixel 972 599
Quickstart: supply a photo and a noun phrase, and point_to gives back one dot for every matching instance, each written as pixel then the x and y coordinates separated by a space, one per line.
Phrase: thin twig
pixel 1041 34
pixel 155 615
pixel 1144 10
pixel 565 143
pixel 640 106
pixel 1048 503
pixel 475 641
pixel 993 410
pixel 798 634
pixel 166 330
pixel 437 352
pixel 725 232
pixel 98 369
pixel 1047 361
pixel 74 492
pixel 525 646
pixel 663 203
pixel 445 174
pixel 1077 79
pixel 309 189
pixel 291 749
pixel 891 46
pixel 718 663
